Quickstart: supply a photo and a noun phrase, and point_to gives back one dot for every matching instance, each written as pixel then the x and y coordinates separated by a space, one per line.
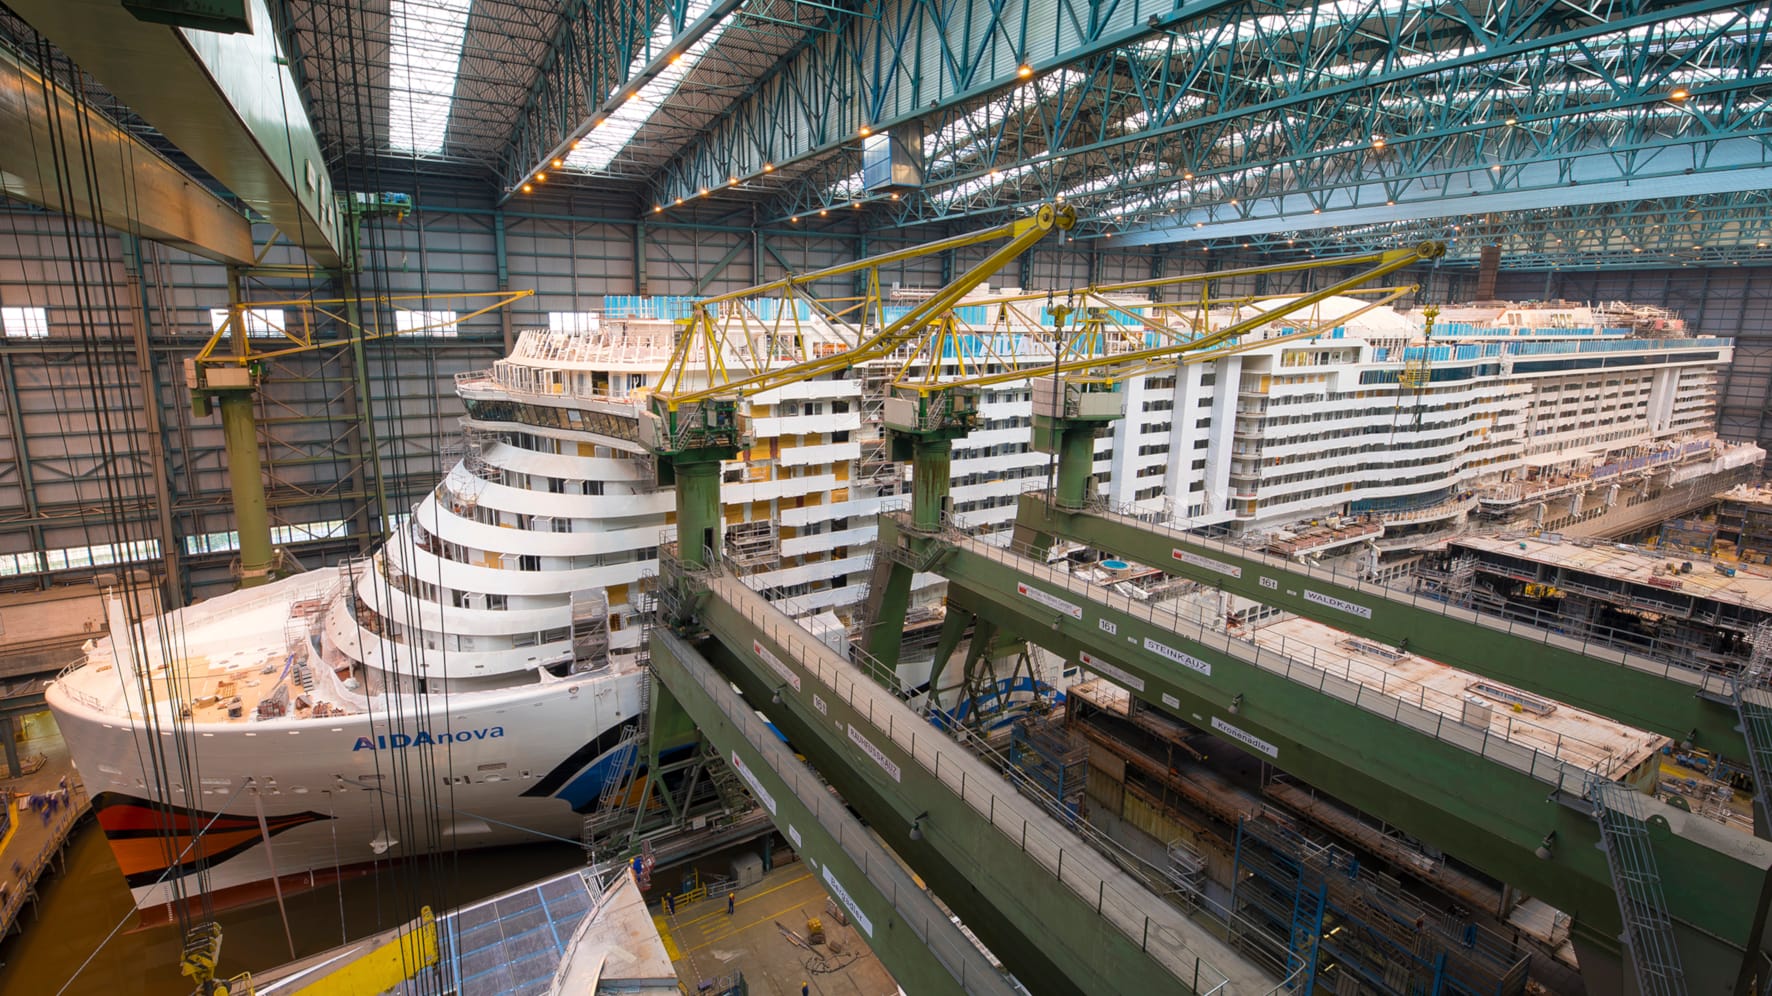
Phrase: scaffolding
pixel 1648 929
pixel 1347 929
pixel 1050 756
pixel 751 545
pixel 590 630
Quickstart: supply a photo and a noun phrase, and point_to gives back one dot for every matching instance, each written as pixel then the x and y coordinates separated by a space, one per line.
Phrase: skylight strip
pixel 599 148
pixel 425 39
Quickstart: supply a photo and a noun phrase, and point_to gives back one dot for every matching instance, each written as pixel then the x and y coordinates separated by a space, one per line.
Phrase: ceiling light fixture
pixel 557 164
pixel 768 167
pixel 866 131
pixel 541 177
pixel 1679 95
pixel 1024 71
pixel 527 188
pixel 794 220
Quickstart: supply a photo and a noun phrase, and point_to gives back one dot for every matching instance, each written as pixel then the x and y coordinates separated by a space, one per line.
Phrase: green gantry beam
pixel 986 850
pixel 914 938
pixel 1678 702
pixel 1488 800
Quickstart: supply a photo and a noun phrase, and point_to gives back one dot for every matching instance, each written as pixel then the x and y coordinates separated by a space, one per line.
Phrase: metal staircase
pixel 610 813
pixel 1648 930
pixel 879 569
pixel 1752 691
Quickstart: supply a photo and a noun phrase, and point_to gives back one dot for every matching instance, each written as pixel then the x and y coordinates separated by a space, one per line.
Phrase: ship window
pixel 523 640
pixel 554 635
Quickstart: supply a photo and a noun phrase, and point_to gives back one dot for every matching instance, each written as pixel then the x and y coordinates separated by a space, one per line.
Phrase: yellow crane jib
pixel 697 406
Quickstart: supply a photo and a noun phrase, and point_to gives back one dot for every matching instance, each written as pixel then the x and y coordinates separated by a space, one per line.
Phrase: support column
pixel 246 480
pixel 953 627
pixel 362 413
pixel 698 508
pixel 8 731
pixel 891 604
pixel 172 585
pixel 1076 462
pixel 931 477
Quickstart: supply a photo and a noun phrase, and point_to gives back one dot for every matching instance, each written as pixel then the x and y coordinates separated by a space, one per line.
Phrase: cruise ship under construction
pixel 485 676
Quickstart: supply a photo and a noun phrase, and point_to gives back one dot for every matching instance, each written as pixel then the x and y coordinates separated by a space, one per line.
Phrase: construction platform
pixel 38 812
pixel 764 939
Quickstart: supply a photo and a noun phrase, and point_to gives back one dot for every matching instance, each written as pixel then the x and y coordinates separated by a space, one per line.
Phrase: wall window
pixel 25 323
pixel 573 321
pixel 432 323
pixel 261 323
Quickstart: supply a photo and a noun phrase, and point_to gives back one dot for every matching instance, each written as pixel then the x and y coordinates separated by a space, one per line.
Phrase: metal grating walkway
pixel 1648 930
pixel 513 944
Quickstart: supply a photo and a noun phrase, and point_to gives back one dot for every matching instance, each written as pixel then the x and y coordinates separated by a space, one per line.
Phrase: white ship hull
pixel 506 766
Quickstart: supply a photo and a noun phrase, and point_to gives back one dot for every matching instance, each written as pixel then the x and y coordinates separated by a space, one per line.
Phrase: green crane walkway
pixel 1678 701
pixel 1101 929
pixel 915 939
pixel 1488 793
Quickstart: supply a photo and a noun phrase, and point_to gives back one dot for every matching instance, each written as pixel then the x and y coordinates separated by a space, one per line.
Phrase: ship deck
pixel 228 659
pixel 1608 564
pixel 1532 721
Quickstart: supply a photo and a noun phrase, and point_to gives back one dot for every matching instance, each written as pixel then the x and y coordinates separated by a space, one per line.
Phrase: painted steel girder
pixel 1666 700
pixel 587 70
pixel 1731 228
pixel 991 866
pixel 1491 813
pixel 1225 107
pixel 229 102
pixel 901 924
pixel 901 60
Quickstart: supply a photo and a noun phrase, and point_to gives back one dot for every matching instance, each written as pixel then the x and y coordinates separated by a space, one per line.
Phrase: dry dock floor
pixel 704 942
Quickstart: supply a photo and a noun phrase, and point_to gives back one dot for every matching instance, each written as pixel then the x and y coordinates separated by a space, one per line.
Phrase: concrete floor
pixel 705 942
pixel 31 849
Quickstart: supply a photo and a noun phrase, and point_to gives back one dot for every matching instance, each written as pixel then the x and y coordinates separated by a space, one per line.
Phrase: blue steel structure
pixel 1344 930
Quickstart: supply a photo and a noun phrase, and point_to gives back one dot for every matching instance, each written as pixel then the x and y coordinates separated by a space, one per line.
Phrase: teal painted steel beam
pixel 1680 703
pixel 1479 796
pixel 1048 904
pixel 915 940
pixel 589 67
pixel 228 101
pixel 902 60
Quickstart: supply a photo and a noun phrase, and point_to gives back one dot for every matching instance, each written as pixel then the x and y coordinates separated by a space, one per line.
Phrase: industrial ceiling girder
pixel 1366 117
pixel 587 70
pixel 903 60
pixel 1647 232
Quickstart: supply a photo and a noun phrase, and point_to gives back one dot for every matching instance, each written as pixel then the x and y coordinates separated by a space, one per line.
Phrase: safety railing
pixel 963 960
pixel 1713 682
pixel 1072 862
pixel 1542 753
pixel 70 804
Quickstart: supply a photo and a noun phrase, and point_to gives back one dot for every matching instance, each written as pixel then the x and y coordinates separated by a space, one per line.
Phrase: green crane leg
pixel 698 509
pixel 931 475
pixel 1076 462
pixel 953 628
pixel 240 434
pixel 890 606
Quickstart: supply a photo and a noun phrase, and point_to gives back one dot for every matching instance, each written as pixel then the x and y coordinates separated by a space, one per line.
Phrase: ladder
pixel 1752 691
pixel 1648 930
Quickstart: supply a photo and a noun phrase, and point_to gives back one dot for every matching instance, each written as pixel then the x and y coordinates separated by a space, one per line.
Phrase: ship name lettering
pixel 425 738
